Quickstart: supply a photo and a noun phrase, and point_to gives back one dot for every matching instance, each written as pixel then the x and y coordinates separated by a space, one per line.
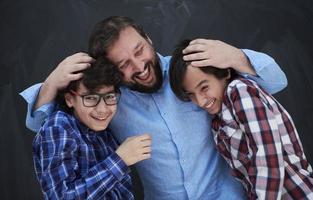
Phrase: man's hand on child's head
pixel 205 52
pixel 69 70
pixel 135 149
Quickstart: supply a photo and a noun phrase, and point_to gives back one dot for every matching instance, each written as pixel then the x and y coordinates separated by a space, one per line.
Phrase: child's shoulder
pixel 58 121
pixel 56 133
pixel 242 85
pixel 58 118
pixel 242 82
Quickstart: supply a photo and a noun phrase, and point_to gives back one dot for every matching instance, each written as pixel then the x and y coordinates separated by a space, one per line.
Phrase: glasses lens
pixel 111 98
pixel 91 100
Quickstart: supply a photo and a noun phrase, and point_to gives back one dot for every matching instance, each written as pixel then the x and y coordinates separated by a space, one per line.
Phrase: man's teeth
pixel 144 73
pixel 210 104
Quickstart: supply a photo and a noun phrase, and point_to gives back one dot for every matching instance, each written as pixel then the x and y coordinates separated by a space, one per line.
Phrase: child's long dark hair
pixel 178 69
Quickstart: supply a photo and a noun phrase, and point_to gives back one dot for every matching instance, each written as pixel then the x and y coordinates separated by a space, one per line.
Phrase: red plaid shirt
pixel 258 139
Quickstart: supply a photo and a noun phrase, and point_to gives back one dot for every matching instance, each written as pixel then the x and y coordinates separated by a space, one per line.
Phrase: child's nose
pixel 102 105
pixel 201 100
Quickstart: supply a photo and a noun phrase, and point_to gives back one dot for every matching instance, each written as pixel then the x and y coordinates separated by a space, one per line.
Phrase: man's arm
pixel 40 98
pixel 34 119
pixel 253 65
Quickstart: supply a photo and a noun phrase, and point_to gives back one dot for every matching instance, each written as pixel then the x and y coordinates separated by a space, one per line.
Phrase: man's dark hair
pixel 101 73
pixel 107 31
pixel 178 68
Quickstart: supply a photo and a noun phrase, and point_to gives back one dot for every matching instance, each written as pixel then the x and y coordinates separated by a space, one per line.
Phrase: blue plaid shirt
pixel 74 162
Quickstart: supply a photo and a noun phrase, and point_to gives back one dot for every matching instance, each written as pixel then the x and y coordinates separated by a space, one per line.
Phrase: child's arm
pixel 260 128
pixel 57 168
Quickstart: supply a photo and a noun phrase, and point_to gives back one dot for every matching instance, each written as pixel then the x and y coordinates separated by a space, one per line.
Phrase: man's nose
pixel 138 65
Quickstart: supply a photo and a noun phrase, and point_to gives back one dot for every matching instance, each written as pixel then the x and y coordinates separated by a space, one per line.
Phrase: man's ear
pixel 69 99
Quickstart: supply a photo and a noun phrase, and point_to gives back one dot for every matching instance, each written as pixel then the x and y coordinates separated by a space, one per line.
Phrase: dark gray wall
pixel 35 36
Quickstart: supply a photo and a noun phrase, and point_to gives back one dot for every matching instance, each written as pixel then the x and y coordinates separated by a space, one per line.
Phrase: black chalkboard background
pixel 36 35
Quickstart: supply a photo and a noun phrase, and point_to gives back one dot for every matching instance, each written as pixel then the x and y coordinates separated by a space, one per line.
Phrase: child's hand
pixel 135 149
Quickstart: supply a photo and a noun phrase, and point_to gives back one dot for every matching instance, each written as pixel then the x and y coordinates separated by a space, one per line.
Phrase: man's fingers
pixel 83 59
pixel 194 48
pixel 199 41
pixel 78 67
pixel 74 77
pixel 80 54
pixel 202 63
pixel 79 58
pixel 196 56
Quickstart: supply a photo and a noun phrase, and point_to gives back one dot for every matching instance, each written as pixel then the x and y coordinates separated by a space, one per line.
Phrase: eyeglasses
pixel 92 100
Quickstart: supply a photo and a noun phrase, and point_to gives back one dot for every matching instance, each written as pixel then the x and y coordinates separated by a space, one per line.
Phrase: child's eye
pixel 204 88
pixel 91 98
pixel 190 95
pixel 110 96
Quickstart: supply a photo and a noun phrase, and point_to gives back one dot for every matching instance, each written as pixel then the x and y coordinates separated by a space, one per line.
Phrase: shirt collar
pixel 163 65
pixel 83 128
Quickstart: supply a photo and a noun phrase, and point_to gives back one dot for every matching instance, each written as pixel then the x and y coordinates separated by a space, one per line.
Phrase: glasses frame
pixel 117 93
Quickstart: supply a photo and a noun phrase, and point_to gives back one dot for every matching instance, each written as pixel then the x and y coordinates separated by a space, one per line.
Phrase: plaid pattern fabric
pixel 258 139
pixel 73 162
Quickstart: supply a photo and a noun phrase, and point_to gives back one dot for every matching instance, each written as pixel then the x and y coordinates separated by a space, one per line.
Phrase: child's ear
pixel 68 99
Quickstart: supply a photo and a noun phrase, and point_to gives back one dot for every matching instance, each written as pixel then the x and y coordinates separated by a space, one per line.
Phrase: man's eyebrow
pixel 138 45
pixel 119 62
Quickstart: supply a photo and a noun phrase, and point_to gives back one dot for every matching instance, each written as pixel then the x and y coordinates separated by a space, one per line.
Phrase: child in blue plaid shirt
pixel 75 157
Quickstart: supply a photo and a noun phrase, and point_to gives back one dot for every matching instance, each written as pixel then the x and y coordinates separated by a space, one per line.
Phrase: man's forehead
pixel 129 39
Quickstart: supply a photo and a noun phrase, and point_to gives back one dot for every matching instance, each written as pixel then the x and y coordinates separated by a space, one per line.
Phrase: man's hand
pixel 68 70
pixel 204 52
pixel 135 149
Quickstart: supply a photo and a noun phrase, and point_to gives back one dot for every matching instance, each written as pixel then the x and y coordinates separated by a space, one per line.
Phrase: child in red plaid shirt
pixel 252 131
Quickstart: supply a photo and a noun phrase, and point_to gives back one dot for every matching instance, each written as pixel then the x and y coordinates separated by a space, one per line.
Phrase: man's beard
pixel 158 78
